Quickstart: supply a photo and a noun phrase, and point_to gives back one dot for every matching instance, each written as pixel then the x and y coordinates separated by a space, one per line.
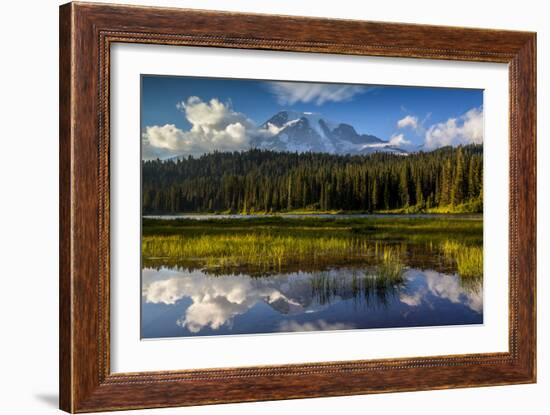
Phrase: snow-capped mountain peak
pixel 309 131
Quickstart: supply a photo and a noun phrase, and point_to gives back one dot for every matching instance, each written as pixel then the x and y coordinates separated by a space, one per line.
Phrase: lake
pixel 225 276
pixel 314 215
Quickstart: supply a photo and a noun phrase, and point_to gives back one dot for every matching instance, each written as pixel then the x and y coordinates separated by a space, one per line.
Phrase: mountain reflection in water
pixel 191 302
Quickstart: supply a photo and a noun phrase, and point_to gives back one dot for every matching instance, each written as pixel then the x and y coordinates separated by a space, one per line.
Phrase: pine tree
pixel 374 197
pixel 458 189
pixel 446 183
pixel 258 180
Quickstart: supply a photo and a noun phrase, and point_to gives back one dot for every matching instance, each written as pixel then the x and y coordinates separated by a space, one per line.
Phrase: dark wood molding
pixel 86 33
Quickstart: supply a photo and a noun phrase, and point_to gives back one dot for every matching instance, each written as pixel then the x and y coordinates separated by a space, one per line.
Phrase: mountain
pixel 309 132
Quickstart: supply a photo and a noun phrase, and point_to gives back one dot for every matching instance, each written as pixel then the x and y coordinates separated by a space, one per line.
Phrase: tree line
pixel 267 181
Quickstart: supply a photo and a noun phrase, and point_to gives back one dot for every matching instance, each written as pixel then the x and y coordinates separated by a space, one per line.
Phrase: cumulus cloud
pixel 409 121
pixel 467 129
pixel 215 300
pixel 399 140
pixel 289 93
pixel 214 126
pixel 430 284
pixel 166 137
pixel 448 287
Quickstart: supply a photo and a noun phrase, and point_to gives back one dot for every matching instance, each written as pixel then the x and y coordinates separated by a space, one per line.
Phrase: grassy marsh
pixel 264 244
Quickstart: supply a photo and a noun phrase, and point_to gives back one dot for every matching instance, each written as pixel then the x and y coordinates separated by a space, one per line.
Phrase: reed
pixel 469 259
pixel 262 250
pixel 273 244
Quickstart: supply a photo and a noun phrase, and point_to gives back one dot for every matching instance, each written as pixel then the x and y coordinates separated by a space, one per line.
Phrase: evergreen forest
pixel 260 181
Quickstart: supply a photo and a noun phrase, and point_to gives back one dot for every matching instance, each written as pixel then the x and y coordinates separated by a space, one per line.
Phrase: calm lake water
pixel 241 276
pixel 318 215
pixel 178 302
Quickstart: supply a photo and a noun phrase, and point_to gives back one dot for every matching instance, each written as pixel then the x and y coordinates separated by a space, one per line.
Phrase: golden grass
pixel 274 244
pixel 469 259
pixel 262 250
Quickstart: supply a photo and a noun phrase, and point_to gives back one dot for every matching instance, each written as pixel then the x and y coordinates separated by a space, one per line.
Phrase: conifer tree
pixel 259 180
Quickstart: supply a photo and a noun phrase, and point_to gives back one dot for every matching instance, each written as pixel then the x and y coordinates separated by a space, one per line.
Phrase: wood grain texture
pixel 65 247
pixel 86 33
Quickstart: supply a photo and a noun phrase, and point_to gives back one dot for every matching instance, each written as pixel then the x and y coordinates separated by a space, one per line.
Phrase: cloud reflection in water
pixel 217 300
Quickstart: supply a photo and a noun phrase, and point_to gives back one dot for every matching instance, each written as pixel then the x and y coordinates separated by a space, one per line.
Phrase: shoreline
pixel 298 215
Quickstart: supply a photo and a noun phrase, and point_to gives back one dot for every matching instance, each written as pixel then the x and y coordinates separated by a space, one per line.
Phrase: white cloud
pixel 467 129
pixel 167 137
pixel 289 93
pixel 431 283
pixel 399 140
pixel 408 121
pixel 412 300
pixel 214 126
pixel 215 300
pixel 449 287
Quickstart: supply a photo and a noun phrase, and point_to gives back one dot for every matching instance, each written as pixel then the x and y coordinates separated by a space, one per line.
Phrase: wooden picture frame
pixel 86 33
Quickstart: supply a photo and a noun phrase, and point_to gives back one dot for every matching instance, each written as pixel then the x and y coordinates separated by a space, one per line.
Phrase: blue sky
pixel 371 109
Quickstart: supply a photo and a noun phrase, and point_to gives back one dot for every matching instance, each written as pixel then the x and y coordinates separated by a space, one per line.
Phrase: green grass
pixel 397 228
pixel 374 288
pixel 262 251
pixel 469 259
pixel 475 207
pixel 263 244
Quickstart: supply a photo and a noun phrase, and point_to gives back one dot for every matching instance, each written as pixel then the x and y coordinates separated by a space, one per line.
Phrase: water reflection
pixel 182 302
pixel 429 284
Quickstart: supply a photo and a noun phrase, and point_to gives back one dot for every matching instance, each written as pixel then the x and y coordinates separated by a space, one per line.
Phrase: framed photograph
pixel 259 207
